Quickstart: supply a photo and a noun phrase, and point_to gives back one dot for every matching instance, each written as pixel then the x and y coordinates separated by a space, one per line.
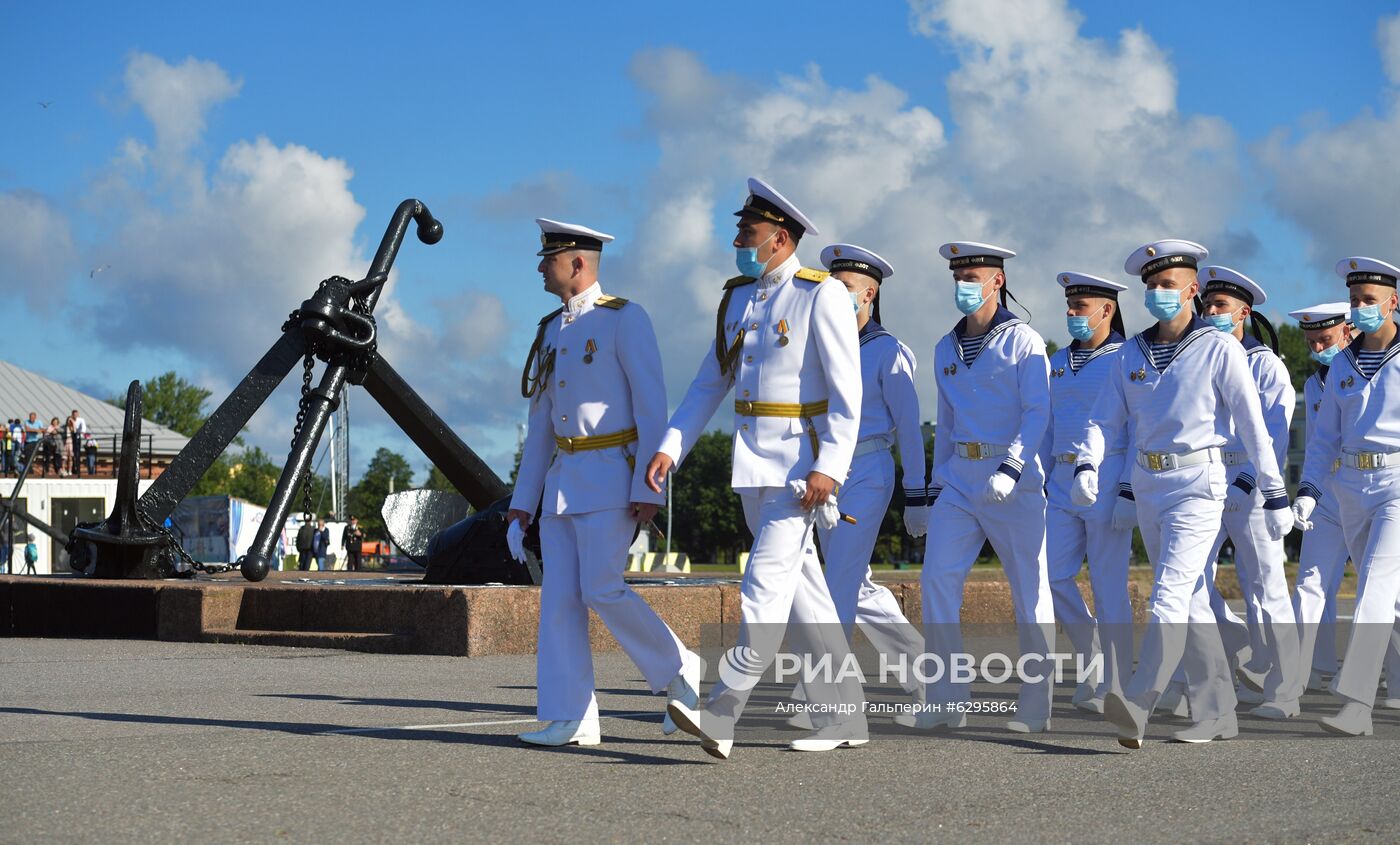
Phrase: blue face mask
pixel 746 259
pixel 968 296
pixel 1325 356
pixel 1079 327
pixel 1162 303
pixel 1223 322
pixel 855 301
pixel 1367 318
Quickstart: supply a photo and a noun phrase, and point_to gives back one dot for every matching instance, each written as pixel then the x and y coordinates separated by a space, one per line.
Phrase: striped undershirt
pixel 1369 362
pixel 1162 353
pixel 971 347
pixel 1077 357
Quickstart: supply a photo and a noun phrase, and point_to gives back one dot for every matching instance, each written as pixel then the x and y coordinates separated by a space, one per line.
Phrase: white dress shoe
pixel 832 737
pixel 1245 695
pixel 1277 709
pixel 1354 719
pixel 926 720
pixel 1253 680
pixel 574 732
pixel 685 688
pixel 1128 717
pixel 1226 727
pixel 1093 705
pixel 1391 703
pixel 688 719
pixel 1029 726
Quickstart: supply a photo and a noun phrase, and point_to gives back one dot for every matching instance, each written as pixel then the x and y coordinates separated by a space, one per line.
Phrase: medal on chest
pixel 588 349
pixel 782 333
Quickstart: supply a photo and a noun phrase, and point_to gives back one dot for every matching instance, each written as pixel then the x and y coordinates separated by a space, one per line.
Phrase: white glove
pixel 916 520
pixel 825 516
pixel 515 539
pixel 1236 499
pixel 1302 511
pixel 999 488
pixel 1124 514
pixel 1279 522
pixel 1086 488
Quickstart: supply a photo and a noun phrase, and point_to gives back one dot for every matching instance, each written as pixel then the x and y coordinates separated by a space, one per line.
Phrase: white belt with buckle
pixel 879 443
pixel 1164 461
pixel 979 451
pixel 1234 459
pixel 1370 460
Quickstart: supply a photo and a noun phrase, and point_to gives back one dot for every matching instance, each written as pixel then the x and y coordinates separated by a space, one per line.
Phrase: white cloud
pixel 36 251
pixel 1341 184
pixel 176 97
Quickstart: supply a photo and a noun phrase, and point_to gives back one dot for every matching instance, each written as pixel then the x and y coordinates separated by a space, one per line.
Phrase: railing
pixel 108 453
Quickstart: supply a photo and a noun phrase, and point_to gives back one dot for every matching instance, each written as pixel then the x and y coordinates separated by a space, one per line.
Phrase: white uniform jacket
pixel 1202 396
pixel 798 345
pixel 606 378
pixel 1313 389
pixel 1072 396
pixel 1353 415
pixel 1276 400
pixel 889 410
pixel 1001 399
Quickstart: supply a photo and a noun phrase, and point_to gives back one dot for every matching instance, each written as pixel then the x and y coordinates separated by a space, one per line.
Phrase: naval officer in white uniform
pixel 988 485
pixel 593 378
pixel 1323 557
pixel 1230 298
pixel 1180 384
pixel 1103 532
pixel 786 345
pixel 1358 425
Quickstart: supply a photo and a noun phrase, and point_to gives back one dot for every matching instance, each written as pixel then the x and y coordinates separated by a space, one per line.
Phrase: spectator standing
pixel 353 540
pixel 17 445
pixel 33 435
pixel 304 541
pixel 320 544
pixel 52 436
pixel 31 555
pixel 70 450
pixel 7 447
pixel 90 453
pixel 78 433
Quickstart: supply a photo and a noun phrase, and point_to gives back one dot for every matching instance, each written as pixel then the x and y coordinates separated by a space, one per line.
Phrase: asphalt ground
pixel 127 741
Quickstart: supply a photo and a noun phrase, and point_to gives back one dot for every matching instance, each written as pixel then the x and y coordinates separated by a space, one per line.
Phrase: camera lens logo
pixel 740 668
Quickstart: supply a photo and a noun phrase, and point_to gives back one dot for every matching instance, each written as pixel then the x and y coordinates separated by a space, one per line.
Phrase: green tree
pixel 173 402
pixel 708 521
pixel 1293 347
pixel 387 471
pixel 1051 347
pixel 437 481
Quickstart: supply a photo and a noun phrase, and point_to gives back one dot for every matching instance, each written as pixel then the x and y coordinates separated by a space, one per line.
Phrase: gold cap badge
pixel 954 250
pixel 1151 251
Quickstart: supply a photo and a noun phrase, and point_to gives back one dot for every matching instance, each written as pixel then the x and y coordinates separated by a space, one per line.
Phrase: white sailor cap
pixel 1322 316
pixel 838 257
pixel 1359 270
pixel 766 203
pixel 972 254
pixel 1082 284
pixel 557 237
pixel 1220 279
pixel 1150 259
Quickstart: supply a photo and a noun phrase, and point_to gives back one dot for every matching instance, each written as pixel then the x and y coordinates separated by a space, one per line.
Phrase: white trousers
pixel 1270 625
pixel 584 558
pixel 783 580
pixel 1369 503
pixel 1321 565
pixel 961 520
pixel 847 549
pixel 1179 516
pixel 1069 538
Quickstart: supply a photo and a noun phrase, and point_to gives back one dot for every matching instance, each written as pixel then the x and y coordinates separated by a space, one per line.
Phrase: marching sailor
pixel 988 483
pixel 1180 384
pixel 786 344
pixel 593 378
pixel 889 414
pixel 1358 424
pixel 1230 298
pixel 1322 560
pixel 1103 532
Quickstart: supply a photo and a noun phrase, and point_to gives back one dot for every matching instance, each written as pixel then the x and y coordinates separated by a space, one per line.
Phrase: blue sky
pixel 610 114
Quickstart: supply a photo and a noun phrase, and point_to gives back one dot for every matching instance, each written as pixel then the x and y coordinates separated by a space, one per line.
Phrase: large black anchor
pixel 336 326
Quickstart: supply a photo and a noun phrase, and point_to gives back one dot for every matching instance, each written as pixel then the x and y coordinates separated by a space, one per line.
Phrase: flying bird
pixel 45 104
pixel 94 271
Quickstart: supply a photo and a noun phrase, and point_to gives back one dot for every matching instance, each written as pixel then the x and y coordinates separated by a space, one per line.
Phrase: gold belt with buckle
pixel 1156 461
pixel 590 442
pixel 745 408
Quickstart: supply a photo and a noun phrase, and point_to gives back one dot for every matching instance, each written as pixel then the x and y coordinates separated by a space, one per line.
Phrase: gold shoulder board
pixel 551 315
pixel 609 301
pixel 739 281
pixel 808 275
